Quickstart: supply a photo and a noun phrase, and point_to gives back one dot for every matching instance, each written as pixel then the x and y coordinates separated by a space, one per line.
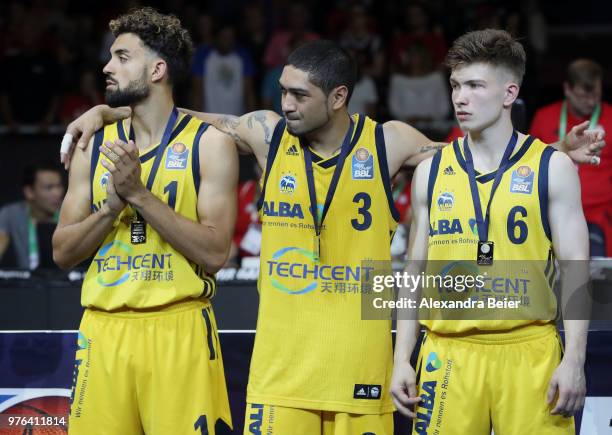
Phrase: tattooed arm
pixel 406 145
pixel 251 132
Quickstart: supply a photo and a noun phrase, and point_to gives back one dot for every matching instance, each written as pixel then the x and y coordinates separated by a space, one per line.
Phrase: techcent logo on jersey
pixel 305 273
pixel 108 266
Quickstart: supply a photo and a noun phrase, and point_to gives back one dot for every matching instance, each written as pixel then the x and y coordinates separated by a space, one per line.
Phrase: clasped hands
pixel 124 182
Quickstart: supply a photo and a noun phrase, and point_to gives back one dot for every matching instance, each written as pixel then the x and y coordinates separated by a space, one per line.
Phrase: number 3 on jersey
pixel 364 201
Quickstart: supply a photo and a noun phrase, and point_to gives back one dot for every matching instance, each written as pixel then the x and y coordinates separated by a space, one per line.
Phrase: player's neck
pixel 488 145
pixel 149 120
pixel 327 140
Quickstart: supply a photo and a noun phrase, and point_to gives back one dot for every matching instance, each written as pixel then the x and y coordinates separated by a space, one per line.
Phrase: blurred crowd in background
pixel 52 53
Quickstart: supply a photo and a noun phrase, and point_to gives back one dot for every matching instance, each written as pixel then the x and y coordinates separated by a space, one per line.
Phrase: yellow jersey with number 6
pixel 523 266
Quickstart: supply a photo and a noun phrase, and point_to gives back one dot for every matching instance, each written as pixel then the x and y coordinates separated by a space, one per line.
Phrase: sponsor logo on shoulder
pixel 176 157
pixel 522 180
pixel 362 165
pixel 365 391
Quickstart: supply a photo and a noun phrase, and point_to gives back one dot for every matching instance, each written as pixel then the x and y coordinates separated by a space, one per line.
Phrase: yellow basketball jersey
pixel 518 228
pixel 312 349
pixel 153 273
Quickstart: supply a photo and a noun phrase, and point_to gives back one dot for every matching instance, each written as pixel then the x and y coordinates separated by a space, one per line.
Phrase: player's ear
pixel 159 70
pixel 338 97
pixel 511 94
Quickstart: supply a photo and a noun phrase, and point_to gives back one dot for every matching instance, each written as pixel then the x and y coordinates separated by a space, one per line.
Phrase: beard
pixel 135 92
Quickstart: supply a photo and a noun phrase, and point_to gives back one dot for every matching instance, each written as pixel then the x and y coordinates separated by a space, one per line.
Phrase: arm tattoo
pixel 260 117
pixel 228 124
pixel 433 146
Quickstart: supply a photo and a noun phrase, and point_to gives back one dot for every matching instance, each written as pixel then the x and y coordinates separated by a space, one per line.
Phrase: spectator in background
pixel 204 32
pixel 418 29
pixel 365 96
pixel 26 227
pixel 366 47
pixel 583 103
pixel 270 88
pixel 79 101
pixel 222 76
pixel 13 20
pixel 279 46
pixel 247 231
pixel 29 83
pixel 401 198
pixel 360 40
pixel 255 37
pixel 418 92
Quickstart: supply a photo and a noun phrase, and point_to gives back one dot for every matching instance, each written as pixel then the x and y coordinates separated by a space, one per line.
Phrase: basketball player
pixel 326 205
pixel 505 375
pixel 156 212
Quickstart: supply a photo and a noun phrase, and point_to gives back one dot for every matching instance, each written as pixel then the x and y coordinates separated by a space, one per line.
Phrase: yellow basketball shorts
pixel 278 420
pixel 157 373
pixel 472 384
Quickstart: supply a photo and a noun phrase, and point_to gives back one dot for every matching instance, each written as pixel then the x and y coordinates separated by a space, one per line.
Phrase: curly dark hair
pixel 161 33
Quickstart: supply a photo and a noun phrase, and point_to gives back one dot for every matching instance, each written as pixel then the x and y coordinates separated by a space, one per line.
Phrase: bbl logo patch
pixel 177 156
pixel 363 165
pixel 522 180
pixel 287 184
pixel 446 200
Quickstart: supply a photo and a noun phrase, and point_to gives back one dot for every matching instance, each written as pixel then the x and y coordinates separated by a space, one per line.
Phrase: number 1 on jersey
pixel 171 189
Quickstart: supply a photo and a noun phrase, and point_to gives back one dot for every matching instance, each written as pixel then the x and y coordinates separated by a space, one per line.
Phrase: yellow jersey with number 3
pixel 312 348
pixel 518 228
pixel 124 274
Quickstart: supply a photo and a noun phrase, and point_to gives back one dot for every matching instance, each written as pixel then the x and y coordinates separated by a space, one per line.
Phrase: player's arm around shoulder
pixel 79 232
pixel 217 201
pixel 80 131
pixel 251 132
pixel 406 145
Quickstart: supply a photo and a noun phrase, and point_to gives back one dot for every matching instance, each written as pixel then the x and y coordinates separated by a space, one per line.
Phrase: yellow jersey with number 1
pixel 150 274
pixel 312 348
